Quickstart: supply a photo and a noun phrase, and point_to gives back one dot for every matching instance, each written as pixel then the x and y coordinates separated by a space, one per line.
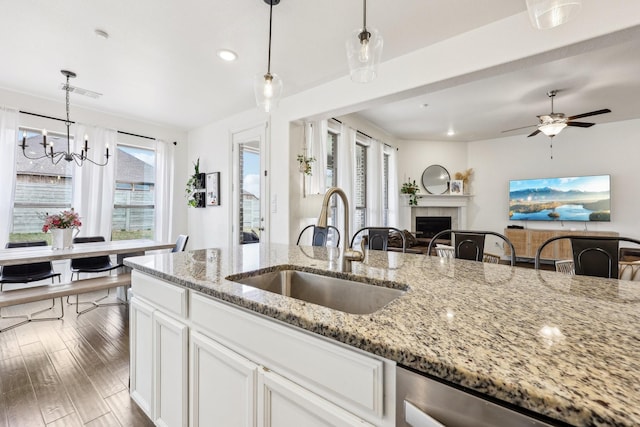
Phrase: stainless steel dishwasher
pixel 424 402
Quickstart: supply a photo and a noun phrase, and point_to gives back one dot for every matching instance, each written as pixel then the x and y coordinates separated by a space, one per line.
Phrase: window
pixel 41 186
pixel 360 196
pixel 249 209
pixel 134 199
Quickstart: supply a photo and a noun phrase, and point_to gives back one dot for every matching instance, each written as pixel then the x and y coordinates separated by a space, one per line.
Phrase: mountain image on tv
pixel 585 198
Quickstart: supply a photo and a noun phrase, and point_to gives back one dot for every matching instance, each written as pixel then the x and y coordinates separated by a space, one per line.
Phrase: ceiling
pixel 159 63
pixel 593 75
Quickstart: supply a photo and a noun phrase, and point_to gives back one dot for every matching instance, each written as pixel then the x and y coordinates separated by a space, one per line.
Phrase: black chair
pixel 596 256
pixel 25 273
pixel 469 244
pixel 181 243
pixel 97 264
pixel 378 238
pixel 320 235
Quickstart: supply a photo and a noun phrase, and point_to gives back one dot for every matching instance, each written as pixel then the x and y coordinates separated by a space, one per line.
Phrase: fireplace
pixel 429 226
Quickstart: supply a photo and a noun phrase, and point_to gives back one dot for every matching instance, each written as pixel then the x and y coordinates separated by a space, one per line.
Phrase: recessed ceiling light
pixel 424 105
pixel 451 132
pixel 227 55
pixel 101 33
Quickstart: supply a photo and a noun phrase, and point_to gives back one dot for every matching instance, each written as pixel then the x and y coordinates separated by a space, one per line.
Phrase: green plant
pixel 305 163
pixel 192 185
pixel 412 189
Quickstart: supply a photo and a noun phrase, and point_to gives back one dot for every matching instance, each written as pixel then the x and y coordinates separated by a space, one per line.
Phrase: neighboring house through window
pixel 41 187
pixel 134 200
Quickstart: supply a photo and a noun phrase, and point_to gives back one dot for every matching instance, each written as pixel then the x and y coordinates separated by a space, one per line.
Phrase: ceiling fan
pixel 552 124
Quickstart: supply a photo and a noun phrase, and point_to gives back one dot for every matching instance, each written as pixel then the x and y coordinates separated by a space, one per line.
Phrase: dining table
pixel 121 248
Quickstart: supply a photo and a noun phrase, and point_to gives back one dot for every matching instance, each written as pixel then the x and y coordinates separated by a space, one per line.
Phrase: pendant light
pixel 546 14
pixel 364 50
pixel 268 87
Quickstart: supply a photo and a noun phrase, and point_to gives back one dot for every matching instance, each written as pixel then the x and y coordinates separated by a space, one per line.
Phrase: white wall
pixel 604 149
pixel 499 43
pixel 415 156
pixel 56 109
pixel 211 226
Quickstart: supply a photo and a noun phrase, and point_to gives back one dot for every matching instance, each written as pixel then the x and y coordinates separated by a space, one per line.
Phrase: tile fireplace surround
pixel 454 206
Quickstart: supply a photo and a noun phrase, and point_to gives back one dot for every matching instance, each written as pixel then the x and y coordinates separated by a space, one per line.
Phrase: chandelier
pixel 57 156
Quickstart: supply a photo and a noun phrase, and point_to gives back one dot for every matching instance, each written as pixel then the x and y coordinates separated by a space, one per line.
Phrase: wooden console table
pixel 527 241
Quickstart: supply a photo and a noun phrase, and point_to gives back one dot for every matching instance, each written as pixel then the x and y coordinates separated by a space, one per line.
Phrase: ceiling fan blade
pixel 522 127
pixel 534 133
pixel 592 113
pixel 580 124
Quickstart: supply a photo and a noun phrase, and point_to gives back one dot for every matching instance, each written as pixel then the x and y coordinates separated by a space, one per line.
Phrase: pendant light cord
pixel 364 15
pixel 270 21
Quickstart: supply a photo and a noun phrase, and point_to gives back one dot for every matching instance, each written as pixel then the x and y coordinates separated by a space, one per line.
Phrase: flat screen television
pixel 577 198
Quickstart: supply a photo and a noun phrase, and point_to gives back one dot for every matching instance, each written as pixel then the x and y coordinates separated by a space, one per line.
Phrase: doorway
pixel 249 184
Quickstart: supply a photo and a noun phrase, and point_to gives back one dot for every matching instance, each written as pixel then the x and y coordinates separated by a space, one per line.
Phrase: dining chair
pixel 97 264
pixel 469 245
pixel 377 238
pixel 320 236
pixel 26 273
pixel 596 256
pixel 181 243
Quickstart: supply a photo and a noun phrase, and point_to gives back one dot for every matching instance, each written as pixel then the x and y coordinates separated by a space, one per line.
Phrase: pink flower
pixel 65 219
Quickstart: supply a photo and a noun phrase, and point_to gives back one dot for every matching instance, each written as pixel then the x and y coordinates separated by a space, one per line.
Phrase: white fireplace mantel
pixel 435 205
pixel 443 200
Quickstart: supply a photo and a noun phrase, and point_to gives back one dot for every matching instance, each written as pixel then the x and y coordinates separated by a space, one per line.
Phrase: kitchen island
pixel 565 347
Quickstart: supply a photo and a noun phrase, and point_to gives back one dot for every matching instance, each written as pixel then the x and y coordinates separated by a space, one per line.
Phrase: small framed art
pixel 456 186
pixel 213 189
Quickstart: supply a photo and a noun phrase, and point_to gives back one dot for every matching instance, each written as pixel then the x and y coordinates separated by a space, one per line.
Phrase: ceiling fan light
pixel 546 14
pixel 552 129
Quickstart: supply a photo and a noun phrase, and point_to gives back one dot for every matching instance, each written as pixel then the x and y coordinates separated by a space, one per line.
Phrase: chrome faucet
pixel 348 254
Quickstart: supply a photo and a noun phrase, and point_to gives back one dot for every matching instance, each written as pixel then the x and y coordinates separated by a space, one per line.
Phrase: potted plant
pixel 412 189
pixel 195 183
pixel 61 226
pixel 305 163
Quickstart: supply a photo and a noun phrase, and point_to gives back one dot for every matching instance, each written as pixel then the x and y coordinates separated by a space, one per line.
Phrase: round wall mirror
pixel 435 179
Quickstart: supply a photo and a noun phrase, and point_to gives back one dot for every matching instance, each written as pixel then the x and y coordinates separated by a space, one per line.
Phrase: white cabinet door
pixel 282 403
pixel 170 362
pixel 223 385
pixel 140 356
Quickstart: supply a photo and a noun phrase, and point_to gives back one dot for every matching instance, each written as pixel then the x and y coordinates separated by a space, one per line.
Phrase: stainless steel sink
pixel 340 294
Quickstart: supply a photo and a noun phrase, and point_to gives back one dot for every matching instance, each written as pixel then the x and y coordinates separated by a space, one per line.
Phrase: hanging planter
pixel 412 189
pixel 304 164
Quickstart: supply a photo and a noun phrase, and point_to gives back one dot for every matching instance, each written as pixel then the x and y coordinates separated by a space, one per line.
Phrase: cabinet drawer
pixel 346 377
pixel 160 293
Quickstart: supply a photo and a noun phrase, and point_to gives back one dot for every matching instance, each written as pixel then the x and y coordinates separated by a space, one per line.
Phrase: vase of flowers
pixel 412 189
pixel 62 226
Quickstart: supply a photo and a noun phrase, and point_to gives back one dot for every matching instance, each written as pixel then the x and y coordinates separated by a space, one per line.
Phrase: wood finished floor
pixel 70 372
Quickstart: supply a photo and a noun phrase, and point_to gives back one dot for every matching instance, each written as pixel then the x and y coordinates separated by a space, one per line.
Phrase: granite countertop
pixel 567 347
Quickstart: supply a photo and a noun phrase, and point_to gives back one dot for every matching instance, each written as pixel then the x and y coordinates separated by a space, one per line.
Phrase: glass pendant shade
pixel 552 129
pixel 546 14
pixel 268 90
pixel 364 50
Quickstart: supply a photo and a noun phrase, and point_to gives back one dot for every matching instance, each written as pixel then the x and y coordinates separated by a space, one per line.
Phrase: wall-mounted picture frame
pixel 456 186
pixel 213 189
